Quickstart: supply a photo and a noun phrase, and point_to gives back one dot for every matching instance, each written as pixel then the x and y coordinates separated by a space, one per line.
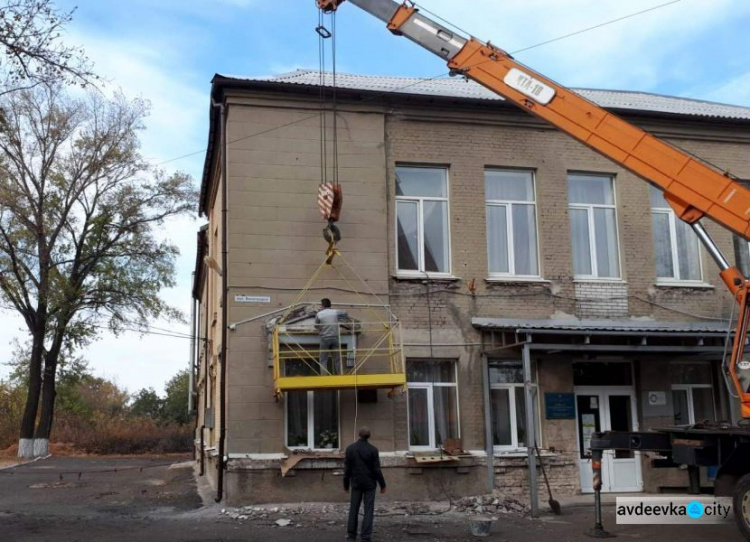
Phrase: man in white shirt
pixel 329 330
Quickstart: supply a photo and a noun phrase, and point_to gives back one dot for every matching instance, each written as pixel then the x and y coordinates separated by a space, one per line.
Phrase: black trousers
pixel 357 496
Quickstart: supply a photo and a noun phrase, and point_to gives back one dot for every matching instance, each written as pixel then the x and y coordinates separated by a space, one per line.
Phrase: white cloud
pixel 735 91
pixel 177 126
pixel 635 53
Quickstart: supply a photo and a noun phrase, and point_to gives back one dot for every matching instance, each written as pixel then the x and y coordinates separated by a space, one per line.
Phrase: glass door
pixel 607 409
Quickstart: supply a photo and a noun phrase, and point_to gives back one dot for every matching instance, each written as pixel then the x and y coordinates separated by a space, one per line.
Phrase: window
pixel 511 223
pixel 741 245
pixel 742 254
pixel 312 417
pixel 692 393
pixel 677 246
pixel 593 222
pixel 432 403
pixel 423 240
pixel 508 406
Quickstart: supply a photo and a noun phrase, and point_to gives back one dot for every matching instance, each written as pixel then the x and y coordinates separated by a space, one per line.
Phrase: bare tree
pixel 78 210
pixel 30 42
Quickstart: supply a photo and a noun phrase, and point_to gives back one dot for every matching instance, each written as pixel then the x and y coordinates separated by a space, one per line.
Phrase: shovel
pixel 553 504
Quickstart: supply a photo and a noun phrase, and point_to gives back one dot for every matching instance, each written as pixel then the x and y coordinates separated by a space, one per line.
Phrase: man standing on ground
pixel 327 324
pixel 362 471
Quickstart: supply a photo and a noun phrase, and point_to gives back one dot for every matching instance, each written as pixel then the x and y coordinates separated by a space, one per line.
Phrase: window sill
pixel 439 277
pixel 512 279
pixel 685 284
pixel 520 453
pixel 302 449
pixel 595 280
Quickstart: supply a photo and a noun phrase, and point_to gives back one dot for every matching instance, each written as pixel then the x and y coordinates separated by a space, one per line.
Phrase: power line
pixel 595 27
pixel 426 80
pixel 316 115
pixel 146 330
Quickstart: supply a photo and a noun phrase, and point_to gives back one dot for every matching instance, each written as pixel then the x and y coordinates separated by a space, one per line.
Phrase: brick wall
pixel 512 476
pixel 275 245
pixel 601 300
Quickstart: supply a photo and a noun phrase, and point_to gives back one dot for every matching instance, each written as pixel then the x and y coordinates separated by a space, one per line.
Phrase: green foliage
pixel 12 399
pixel 170 409
pixel 100 396
pixel 176 402
pixel 93 415
pixel 147 404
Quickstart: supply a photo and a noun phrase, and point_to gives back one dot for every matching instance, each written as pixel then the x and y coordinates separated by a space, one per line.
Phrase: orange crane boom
pixel 693 189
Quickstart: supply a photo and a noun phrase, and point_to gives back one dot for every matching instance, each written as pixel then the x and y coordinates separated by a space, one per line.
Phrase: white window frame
pixel 688 388
pixel 311 423
pixel 513 446
pixel 667 210
pixel 430 386
pixel 419 200
pixel 589 208
pixel 509 205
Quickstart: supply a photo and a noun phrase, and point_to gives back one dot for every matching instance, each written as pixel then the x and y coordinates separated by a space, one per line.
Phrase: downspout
pixel 224 306
pixel 205 393
pixel 489 444
pixel 191 380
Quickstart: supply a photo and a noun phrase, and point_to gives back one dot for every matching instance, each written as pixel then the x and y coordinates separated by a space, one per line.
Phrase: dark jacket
pixel 362 466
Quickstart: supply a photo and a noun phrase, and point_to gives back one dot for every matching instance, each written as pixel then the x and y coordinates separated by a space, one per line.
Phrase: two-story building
pixel 543 292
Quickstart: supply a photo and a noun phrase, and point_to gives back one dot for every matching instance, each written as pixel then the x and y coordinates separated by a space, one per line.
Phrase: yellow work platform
pixel 337 382
pixel 367 354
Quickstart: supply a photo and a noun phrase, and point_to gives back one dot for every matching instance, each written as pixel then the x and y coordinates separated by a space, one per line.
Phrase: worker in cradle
pixel 362 473
pixel 327 322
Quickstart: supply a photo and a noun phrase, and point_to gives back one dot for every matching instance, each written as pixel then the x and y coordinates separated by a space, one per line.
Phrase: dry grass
pixel 105 435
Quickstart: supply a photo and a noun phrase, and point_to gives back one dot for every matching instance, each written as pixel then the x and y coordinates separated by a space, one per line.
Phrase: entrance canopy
pixel 619 336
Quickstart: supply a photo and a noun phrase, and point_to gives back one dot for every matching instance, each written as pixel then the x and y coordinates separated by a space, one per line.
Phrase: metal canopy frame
pixel 525 336
pixel 505 338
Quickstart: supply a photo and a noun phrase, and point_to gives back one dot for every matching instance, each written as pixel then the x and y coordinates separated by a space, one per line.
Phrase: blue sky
pixel 168 50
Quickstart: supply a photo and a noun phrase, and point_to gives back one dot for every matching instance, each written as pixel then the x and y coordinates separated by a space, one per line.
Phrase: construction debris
pixel 295 515
pixel 492 503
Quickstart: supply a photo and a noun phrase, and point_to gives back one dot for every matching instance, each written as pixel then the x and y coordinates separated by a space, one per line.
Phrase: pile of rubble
pixel 492 503
pixel 284 516
pixel 294 515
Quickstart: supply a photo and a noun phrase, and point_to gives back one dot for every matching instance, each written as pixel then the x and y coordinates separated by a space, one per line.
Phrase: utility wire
pixel 595 27
pixel 310 117
pixel 147 330
pixel 384 93
pixel 447 290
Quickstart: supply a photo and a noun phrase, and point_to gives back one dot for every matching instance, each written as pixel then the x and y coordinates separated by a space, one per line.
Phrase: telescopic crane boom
pixel 691 188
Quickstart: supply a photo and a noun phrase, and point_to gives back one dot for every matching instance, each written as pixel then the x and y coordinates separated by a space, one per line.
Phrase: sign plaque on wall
pixel 240 298
pixel 657 398
pixel 559 406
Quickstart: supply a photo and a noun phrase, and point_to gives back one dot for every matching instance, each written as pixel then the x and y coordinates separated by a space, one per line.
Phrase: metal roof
pixel 460 88
pixel 583 325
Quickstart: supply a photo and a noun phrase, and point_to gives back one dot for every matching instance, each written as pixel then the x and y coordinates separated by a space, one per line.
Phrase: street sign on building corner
pixel 242 298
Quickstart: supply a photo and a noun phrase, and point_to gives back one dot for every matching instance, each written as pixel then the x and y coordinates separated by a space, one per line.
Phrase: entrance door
pixel 607 408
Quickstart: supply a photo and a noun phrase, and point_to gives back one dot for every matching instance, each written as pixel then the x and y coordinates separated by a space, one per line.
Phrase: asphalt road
pixel 142 499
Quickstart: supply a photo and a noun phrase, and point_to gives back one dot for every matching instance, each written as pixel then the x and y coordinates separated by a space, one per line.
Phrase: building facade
pixel 543 292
